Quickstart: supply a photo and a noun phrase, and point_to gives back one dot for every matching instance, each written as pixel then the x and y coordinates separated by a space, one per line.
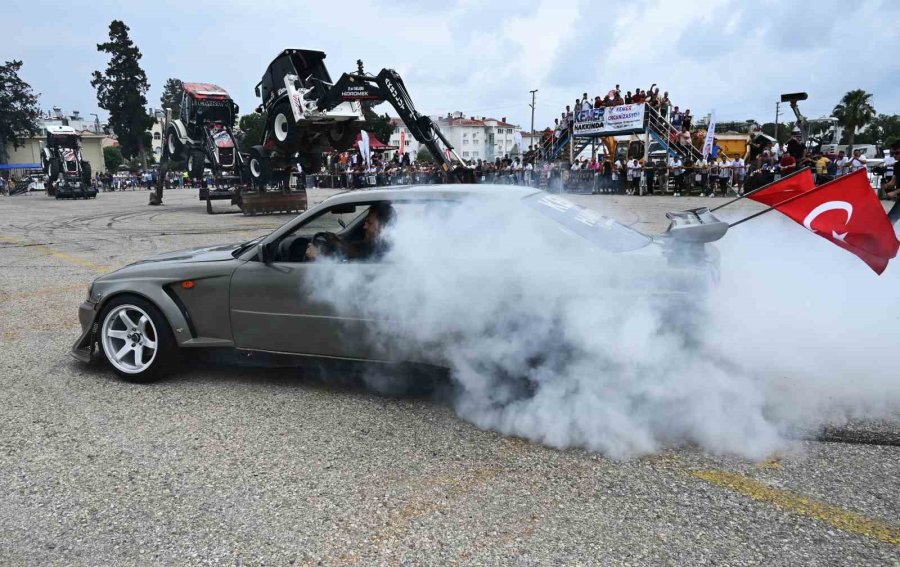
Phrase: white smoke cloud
pixel 551 339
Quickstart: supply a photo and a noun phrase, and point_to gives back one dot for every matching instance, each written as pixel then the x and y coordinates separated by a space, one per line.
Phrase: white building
pixel 472 137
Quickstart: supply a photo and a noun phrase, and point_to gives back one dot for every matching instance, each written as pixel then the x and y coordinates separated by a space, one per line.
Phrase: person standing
pixel 794 146
pixel 841 164
pixel 740 172
pixel 892 187
pixel 634 176
pixel 857 162
pixel 889 164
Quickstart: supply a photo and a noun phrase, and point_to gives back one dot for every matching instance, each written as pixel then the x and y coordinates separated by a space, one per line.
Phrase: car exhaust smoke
pixel 549 338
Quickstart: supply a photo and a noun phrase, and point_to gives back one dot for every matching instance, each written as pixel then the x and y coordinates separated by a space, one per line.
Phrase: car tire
pixel 196 164
pixel 136 339
pixel 259 168
pixel 283 127
pixel 342 136
pixel 174 148
pixel 86 173
pixel 53 168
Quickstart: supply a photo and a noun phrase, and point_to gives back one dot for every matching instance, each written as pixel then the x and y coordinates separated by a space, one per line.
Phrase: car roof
pixel 205 90
pixel 61 130
pixel 429 193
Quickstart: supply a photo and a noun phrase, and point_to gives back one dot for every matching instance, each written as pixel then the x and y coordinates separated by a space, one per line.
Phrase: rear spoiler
pixel 696 226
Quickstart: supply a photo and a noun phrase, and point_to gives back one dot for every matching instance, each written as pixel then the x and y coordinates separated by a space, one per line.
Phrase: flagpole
pixel 794 198
pixel 745 195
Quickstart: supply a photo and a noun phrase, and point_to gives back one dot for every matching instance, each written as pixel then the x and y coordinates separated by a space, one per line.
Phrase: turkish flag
pixel 785 188
pixel 847 212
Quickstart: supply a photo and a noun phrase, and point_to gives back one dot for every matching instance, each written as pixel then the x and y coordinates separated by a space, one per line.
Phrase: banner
pixel 710 135
pixel 610 120
pixel 402 149
pixel 364 146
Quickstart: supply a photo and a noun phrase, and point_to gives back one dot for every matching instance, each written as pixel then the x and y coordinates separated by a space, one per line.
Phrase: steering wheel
pixel 327 242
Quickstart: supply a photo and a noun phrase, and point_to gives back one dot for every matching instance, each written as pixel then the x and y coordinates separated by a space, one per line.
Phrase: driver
pixel 372 246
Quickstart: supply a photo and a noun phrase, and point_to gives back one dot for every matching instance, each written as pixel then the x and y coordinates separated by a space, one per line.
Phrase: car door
pixel 272 307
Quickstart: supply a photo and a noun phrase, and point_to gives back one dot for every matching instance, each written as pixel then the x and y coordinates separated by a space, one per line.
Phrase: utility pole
pixel 777 107
pixel 532 117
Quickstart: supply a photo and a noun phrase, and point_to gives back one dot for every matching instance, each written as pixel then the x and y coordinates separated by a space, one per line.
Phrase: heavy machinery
pixel 202 137
pixel 307 114
pixel 68 173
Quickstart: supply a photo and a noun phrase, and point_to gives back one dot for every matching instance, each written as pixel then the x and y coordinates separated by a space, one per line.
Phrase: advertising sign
pixel 610 120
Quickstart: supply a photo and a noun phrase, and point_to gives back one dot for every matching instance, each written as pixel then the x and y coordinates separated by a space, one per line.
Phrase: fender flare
pixel 180 130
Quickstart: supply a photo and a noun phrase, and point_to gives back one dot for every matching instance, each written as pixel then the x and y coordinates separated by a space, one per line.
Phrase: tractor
pixel 68 173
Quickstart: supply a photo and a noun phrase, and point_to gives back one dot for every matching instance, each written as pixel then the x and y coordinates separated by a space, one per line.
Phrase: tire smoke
pixel 554 340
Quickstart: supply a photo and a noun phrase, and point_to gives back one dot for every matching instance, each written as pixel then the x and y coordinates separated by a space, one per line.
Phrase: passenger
pixel 371 247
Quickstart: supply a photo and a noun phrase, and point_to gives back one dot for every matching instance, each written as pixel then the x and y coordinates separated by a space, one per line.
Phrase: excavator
pixel 308 114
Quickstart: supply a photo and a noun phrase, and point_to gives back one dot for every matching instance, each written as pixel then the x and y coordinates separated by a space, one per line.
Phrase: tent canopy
pixel 374 143
pixel 8 166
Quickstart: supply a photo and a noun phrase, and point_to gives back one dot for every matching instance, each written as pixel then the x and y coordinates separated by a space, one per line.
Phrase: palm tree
pixel 854 112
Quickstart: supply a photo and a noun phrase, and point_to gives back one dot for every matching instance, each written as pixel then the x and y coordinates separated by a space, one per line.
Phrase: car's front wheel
pixel 136 339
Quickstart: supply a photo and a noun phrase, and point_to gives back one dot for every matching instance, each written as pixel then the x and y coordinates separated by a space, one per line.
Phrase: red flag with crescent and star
pixel 782 190
pixel 847 212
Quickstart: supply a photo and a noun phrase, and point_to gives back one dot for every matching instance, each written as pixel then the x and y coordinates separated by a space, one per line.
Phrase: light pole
pixel 532 117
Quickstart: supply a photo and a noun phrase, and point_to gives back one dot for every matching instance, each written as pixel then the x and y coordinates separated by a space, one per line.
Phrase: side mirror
pixel 265 253
pixel 256 90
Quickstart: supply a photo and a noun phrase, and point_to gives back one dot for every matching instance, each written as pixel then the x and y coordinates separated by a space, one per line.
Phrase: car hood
pixel 201 254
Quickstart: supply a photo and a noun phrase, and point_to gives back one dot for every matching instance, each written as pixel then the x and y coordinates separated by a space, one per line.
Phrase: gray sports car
pixel 255 296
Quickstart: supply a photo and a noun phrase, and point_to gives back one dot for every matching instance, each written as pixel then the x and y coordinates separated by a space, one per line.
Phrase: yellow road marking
pixel 68 258
pixel 4 296
pixel 831 515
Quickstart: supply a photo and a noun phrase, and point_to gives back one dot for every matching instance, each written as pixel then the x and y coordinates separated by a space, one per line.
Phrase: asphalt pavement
pixel 225 465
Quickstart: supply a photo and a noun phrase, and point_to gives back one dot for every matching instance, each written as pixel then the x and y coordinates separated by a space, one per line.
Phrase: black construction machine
pixel 202 137
pixel 68 173
pixel 307 114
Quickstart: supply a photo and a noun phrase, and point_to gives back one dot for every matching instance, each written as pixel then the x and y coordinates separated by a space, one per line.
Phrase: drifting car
pixel 255 297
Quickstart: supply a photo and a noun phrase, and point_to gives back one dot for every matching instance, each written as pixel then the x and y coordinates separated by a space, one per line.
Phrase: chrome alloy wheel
pixel 129 339
pixel 255 169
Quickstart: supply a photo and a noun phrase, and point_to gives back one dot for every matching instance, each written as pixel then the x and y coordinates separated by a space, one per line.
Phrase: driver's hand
pixel 311 252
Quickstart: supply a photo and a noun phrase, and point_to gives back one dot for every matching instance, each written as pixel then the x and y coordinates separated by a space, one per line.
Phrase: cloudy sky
pixel 482 58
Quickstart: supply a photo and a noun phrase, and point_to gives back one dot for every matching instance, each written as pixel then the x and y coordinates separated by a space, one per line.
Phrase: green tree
pixel 252 127
pixel 171 96
pixel 122 90
pixel 784 130
pixel 379 125
pixel 18 108
pixel 424 154
pixel 884 130
pixel 854 112
pixel 112 158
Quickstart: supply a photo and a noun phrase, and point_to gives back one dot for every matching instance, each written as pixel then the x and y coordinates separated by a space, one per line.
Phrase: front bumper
pixel 83 348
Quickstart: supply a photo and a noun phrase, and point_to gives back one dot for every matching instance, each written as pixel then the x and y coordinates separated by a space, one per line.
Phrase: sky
pixel 483 58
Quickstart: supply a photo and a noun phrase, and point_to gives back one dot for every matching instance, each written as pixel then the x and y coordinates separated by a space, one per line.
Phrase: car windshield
pixel 601 231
